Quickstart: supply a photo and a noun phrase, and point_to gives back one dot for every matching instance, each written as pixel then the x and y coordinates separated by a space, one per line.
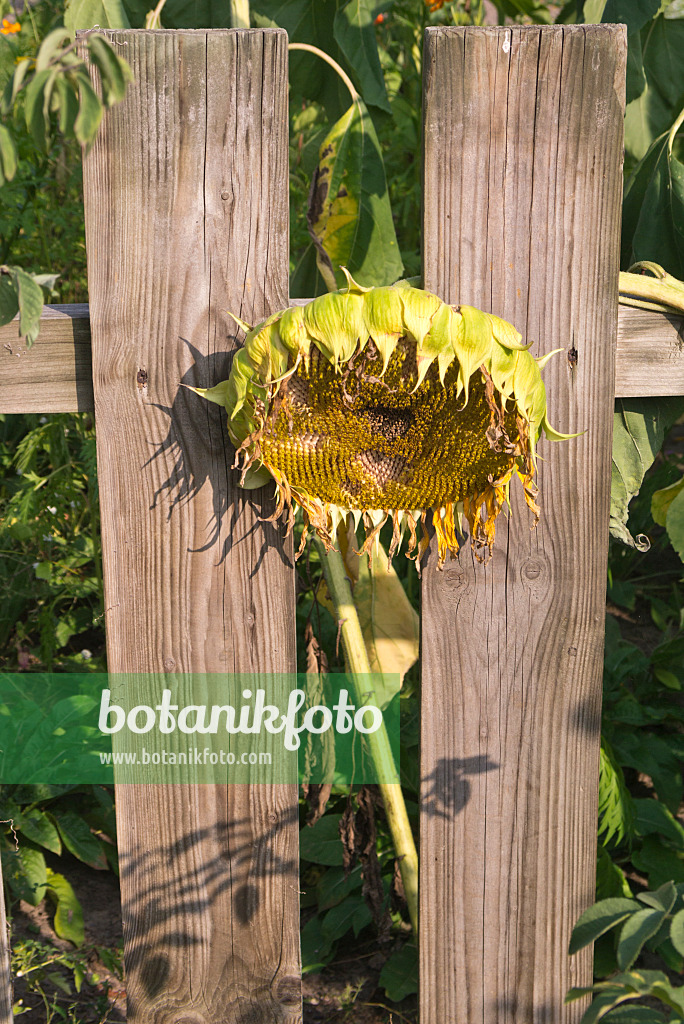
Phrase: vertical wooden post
pixel 186 192
pixel 6 1015
pixel 523 161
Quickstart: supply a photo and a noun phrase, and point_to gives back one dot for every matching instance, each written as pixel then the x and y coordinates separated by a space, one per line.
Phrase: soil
pixel 347 990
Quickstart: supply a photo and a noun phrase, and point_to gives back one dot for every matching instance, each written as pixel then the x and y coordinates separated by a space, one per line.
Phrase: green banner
pixel 68 729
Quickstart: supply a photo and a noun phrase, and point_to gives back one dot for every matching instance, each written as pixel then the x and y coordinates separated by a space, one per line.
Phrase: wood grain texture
pixel 6 1001
pixel 55 374
pixel 523 161
pixel 186 192
pixel 650 354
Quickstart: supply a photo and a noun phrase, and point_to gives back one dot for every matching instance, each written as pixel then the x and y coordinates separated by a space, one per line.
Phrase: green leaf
pixel 350 218
pixel 635 1015
pixel 333 887
pixel 632 13
pixel 25 872
pixel 662 899
pixel 675 524
pixel 82 14
pixel 654 207
pixel 306 22
pixel 321 843
pixel 317 948
pixel 34 112
pixel 8 154
pixel 68 912
pixel 662 499
pixel 50 48
pixel 181 13
pixel 30 296
pixel 658 861
pixel 354 33
pixel 599 919
pixel 38 827
pixel 636 78
pixel 345 916
pixel 67 93
pixel 610 878
pixel 89 110
pixel 652 816
pixel 79 840
pixel 636 930
pixel 657 106
pixel 677 932
pixel 9 299
pixel 14 84
pixel 114 72
pixel 399 975
pixel 639 427
pixel 616 810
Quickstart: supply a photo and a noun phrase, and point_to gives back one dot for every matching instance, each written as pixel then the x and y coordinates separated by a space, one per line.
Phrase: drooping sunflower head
pixel 387 403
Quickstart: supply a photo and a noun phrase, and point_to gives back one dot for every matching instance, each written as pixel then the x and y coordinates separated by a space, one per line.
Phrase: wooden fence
pixel 186 192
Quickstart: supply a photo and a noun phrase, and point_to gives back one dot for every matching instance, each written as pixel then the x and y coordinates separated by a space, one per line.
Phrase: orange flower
pixel 9 27
pixel 435 4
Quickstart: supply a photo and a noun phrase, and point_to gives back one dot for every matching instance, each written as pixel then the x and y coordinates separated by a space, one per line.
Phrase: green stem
pixel 663 293
pixel 356 657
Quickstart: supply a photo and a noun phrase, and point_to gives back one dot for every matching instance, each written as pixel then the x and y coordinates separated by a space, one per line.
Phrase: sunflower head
pixel 389 404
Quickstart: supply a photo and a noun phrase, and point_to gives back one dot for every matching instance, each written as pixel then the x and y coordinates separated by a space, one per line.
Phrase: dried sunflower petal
pixel 388 403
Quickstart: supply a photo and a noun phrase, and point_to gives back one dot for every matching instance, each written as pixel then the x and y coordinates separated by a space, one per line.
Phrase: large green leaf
pixel 639 427
pixel 635 932
pixel 79 840
pixel 40 829
pixel 355 34
pixel 677 932
pixel 25 872
pixel 656 106
pixel 307 22
pixel 82 14
pixel 675 524
pixel 8 155
pixel 350 218
pixel 68 911
pixel 399 976
pixel 89 110
pixel 30 296
pixel 9 299
pixel 321 843
pixel 181 13
pixel 653 211
pixel 599 919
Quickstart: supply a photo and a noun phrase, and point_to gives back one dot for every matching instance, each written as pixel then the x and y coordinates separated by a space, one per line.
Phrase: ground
pixel 346 991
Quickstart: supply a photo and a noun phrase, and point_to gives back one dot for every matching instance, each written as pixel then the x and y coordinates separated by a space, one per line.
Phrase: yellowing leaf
pixel 350 219
pixel 662 499
pixel 388 621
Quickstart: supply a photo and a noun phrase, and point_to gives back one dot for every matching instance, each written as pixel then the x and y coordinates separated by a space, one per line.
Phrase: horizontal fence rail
pixel 55 375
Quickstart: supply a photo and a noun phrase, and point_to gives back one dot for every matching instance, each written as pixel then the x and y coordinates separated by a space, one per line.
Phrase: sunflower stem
pixel 356 656
pixel 661 292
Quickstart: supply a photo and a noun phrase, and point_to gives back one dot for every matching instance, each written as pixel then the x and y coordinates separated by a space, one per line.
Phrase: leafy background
pixel 51 609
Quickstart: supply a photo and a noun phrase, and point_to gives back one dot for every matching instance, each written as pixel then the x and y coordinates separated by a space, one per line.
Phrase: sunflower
pixel 392 405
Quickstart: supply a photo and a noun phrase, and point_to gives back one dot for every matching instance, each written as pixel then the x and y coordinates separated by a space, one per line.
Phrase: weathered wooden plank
pixel 186 192
pixel 55 374
pixel 6 1015
pixel 523 161
pixel 649 359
